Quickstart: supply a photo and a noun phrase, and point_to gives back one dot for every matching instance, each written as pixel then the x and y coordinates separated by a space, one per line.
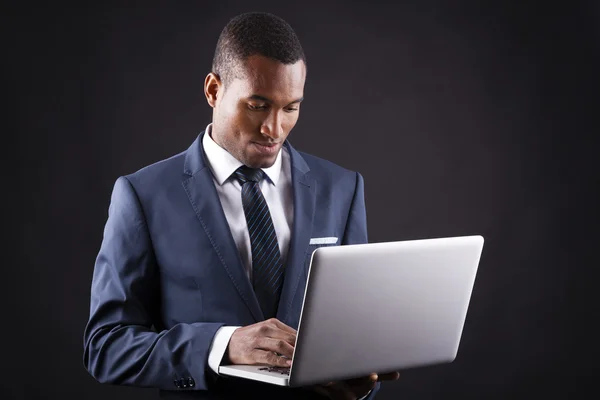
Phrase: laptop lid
pixel 383 307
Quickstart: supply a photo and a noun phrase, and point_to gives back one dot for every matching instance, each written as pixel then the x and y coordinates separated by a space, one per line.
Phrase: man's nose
pixel 272 126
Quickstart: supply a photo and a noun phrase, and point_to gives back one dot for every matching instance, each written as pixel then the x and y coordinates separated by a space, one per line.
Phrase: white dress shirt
pixel 278 193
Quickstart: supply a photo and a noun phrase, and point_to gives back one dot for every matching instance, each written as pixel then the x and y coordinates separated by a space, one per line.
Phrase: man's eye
pixel 291 109
pixel 256 107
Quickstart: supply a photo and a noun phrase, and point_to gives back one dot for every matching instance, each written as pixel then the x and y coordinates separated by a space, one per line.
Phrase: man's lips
pixel 266 148
pixel 267 144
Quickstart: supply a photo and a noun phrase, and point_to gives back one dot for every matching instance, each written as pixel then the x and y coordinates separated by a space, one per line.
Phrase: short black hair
pixel 255 33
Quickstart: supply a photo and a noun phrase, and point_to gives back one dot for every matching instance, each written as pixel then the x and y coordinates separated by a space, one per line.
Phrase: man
pixel 205 254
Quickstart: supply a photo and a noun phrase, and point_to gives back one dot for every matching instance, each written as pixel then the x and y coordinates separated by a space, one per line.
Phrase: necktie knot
pixel 246 174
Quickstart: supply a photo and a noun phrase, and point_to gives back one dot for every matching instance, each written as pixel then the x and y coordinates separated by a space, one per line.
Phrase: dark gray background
pixel 464 118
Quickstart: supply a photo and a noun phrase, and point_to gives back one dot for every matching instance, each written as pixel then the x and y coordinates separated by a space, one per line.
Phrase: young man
pixel 205 254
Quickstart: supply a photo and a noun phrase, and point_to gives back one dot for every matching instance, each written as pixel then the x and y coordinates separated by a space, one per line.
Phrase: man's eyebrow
pixel 262 98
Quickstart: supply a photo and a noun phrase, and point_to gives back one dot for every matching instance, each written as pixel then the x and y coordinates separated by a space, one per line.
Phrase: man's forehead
pixel 281 83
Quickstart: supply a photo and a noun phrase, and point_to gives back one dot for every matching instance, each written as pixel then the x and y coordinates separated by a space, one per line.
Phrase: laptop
pixel 378 307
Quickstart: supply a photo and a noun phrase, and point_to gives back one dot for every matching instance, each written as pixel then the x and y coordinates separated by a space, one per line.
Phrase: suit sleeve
pixel 356 233
pixel 121 345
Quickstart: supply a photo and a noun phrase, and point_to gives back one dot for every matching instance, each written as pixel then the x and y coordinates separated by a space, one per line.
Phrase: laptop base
pixel 260 373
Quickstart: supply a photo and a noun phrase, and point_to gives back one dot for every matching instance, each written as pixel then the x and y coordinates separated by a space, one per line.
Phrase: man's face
pixel 255 113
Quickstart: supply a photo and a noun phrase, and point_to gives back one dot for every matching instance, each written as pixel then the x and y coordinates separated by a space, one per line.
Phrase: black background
pixel 464 118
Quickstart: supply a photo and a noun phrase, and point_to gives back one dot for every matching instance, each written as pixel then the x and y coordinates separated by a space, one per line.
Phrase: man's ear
pixel 212 86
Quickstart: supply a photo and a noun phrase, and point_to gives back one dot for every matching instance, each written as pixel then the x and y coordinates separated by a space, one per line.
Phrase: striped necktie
pixel 267 269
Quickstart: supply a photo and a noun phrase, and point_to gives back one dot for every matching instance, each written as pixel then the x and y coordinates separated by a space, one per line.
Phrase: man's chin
pixel 260 161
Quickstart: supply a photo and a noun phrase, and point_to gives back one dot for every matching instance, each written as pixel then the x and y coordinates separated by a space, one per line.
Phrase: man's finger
pixel 278 334
pixel 363 379
pixel 283 326
pixel 270 358
pixel 390 376
pixel 273 331
pixel 275 345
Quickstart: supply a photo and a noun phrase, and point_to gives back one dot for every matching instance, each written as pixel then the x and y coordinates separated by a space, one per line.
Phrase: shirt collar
pixel 223 164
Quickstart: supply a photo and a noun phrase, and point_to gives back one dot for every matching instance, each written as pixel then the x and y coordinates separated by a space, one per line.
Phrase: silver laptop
pixel 378 307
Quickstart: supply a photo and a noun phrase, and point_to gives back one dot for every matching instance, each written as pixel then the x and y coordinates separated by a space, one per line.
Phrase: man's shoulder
pixel 160 171
pixel 326 168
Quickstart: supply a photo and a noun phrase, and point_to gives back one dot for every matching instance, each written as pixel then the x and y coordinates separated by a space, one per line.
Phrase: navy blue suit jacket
pixel 168 274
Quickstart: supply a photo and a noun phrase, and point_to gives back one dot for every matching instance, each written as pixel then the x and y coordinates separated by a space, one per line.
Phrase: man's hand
pixel 269 342
pixel 353 389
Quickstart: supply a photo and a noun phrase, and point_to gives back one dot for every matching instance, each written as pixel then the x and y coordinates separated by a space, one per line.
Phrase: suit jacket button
pixel 191 382
pixel 176 382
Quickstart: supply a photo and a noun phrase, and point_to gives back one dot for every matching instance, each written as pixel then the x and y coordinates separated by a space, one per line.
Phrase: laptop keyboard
pixel 281 370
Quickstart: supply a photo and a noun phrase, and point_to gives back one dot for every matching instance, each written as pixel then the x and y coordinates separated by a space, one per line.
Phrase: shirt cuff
pixel 366 395
pixel 218 346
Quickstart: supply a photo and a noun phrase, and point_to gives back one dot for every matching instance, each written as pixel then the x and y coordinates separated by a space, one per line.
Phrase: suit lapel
pixel 199 186
pixel 304 188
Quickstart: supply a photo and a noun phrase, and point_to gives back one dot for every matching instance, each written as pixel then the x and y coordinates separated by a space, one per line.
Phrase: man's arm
pixel 120 346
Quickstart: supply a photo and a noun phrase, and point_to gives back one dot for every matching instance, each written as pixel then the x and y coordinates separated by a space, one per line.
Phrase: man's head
pixel 255 87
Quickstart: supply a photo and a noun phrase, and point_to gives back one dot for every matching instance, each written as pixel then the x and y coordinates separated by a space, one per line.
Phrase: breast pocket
pixel 321 241
pixel 325 240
